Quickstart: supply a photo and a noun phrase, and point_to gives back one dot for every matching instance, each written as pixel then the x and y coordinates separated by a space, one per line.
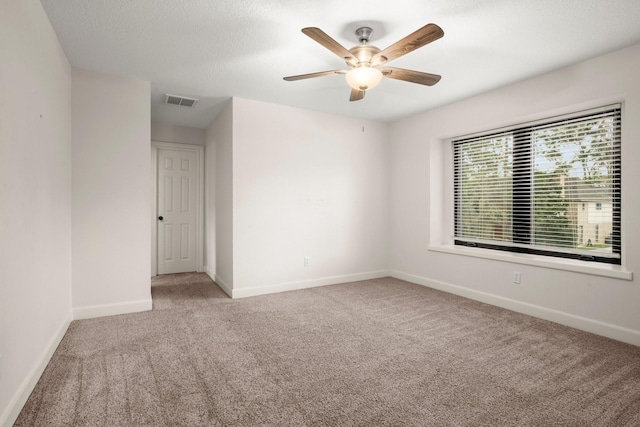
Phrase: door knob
pixel 160 217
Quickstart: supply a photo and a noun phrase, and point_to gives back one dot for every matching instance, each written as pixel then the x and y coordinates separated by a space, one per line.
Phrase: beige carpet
pixel 377 352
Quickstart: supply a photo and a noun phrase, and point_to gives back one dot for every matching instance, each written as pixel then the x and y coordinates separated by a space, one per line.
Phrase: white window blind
pixel 550 187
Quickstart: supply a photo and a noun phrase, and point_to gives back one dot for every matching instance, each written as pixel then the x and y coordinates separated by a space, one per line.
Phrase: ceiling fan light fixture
pixel 364 78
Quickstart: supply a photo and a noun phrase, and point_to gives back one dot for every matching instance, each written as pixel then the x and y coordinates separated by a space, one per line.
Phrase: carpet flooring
pixel 379 352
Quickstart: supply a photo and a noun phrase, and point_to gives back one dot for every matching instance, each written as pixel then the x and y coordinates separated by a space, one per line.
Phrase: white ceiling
pixel 215 49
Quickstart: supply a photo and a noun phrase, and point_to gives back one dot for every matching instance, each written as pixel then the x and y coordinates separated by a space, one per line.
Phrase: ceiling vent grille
pixel 180 100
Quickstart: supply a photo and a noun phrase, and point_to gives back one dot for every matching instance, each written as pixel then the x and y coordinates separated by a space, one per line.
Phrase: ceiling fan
pixel 367 63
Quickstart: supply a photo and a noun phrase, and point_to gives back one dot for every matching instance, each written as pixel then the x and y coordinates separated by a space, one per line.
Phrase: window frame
pixel 522 235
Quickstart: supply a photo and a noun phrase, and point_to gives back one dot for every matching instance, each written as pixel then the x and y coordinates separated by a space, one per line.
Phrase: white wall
pixel 420 202
pixel 209 206
pixel 306 184
pixel 35 199
pixel 164 132
pixel 111 194
pixel 219 198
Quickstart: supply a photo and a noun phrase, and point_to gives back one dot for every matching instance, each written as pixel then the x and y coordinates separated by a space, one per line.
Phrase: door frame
pixel 199 233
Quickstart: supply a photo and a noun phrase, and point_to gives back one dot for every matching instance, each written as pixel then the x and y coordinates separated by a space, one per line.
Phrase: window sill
pixel 606 270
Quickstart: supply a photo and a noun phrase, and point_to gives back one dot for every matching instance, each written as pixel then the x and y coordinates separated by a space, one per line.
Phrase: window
pixel 520 189
pixel 581 238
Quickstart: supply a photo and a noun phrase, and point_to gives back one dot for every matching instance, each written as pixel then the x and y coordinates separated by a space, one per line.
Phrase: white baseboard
pixel 597 327
pixel 304 284
pixel 24 391
pixel 112 309
pixel 226 288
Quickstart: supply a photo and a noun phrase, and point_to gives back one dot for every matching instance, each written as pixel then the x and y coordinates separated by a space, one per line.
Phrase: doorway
pixel 177 208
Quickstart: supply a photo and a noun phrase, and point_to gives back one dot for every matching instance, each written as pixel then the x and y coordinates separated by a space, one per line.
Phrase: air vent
pixel 180 100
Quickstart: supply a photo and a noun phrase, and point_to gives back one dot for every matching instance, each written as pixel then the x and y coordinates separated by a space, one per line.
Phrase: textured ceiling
pixel 215 49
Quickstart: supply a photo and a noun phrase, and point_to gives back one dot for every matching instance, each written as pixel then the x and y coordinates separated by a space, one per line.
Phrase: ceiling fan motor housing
pixel 364 53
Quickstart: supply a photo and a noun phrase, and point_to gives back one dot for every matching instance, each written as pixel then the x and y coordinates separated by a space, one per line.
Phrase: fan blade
pixel 411 76
pixel 413 41
pixel 356 95
pixel 323 38
pixel 312 75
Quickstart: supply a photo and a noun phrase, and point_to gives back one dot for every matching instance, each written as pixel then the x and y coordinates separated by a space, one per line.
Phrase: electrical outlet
pixel 516 277
pixel 306 261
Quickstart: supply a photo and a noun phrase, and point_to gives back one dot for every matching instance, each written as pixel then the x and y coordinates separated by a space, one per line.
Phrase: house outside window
pixel 550 187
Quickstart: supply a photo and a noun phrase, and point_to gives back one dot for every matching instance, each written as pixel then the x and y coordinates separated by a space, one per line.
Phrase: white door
pixel 177 203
